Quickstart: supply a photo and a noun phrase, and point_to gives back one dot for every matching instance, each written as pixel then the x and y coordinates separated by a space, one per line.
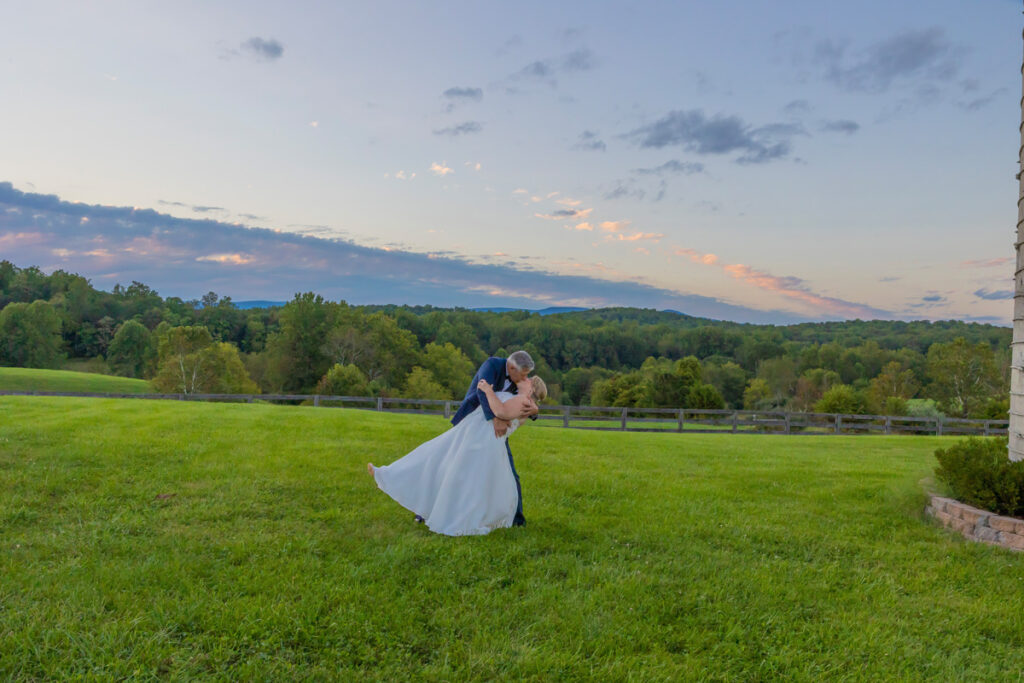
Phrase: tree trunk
pixel 1017 346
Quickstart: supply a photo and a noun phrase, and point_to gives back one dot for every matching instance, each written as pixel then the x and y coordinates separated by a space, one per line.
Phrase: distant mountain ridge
pixel 542 311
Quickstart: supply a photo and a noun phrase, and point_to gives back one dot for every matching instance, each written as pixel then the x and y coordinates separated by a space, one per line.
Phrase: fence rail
pixel 691 421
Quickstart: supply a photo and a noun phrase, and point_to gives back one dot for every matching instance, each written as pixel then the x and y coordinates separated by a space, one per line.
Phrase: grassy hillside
pixel 30 379
pixel 149 539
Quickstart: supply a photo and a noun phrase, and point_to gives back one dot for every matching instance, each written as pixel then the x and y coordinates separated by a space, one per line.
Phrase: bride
pixel 461 482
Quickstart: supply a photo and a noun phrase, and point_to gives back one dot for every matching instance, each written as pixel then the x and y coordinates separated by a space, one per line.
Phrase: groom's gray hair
pixel 522 360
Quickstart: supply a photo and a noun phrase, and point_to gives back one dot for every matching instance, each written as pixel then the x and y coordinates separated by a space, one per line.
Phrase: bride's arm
pixel 509 410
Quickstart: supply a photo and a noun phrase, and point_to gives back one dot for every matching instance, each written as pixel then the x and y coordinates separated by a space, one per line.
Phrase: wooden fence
pixel 691 421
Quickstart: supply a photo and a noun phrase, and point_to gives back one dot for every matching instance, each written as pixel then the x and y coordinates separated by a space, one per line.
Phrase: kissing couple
pixel 464 482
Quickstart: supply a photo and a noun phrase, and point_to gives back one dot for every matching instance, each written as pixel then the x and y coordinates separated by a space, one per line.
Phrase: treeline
pixel 616 356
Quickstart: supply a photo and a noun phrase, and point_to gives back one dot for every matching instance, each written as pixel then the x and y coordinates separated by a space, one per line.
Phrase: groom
pixel 502 374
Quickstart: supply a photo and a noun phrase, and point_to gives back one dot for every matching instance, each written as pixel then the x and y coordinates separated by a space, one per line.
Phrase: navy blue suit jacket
pixel 494 371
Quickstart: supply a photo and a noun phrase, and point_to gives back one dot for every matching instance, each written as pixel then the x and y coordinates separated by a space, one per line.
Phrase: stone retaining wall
pixel 976 524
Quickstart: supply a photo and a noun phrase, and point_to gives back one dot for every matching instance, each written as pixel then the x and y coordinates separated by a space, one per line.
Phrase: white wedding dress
pixel 460 482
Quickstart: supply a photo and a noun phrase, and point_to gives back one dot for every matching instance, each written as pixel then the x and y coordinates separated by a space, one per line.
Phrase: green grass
pixel 146 540
pixel 31 379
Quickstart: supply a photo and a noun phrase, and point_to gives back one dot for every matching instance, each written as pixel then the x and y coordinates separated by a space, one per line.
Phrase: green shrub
pixel 979 473
pixel 923 407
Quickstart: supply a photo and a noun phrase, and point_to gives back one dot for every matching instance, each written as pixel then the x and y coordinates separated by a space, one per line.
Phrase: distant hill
pixel 257 304
pixel 543 311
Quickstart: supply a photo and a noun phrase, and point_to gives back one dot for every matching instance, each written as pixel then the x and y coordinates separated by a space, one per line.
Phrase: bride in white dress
pixel 461 482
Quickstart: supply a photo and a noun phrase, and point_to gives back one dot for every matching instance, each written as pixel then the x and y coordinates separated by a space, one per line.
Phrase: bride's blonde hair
pixel 540 390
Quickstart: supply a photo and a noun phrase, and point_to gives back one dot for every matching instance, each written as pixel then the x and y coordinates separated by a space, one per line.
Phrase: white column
pixel 1016 450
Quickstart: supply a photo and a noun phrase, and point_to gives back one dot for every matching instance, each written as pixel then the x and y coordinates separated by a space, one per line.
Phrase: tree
pixel 450 368
pixel 729 379
pixel 842 398
pixel 670 383
pixel 964 376
pixel 300 348
pixel 191 363
pixel 758 395
pixel 893 382
pixel 343 380
pixel 131 353
pixel 421 384
pixel 30 336
pixel 780 375
pixel 704 397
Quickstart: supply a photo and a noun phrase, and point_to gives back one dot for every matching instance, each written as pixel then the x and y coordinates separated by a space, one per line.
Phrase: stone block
pixel 940 503
pixel 961 525
pixel 984 533
pixel 1007 524
pixel 972 514
pixel 1013 541
pixel 944 517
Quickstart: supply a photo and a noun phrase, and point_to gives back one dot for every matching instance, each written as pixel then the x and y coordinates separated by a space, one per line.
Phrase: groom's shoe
pixel 419 520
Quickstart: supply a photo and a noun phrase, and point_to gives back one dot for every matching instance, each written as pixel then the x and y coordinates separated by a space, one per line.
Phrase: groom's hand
pixel 500 426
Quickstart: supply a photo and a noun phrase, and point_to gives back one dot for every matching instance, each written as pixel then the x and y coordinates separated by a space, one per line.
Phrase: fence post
pixel 938 426
pixel 735 421
pixel 988 428
pixel 251 398
pixel 839 423
pixel 787 424
pixel 565 416
pixel 447 410
pixel 624 418
pixel 380 403
pixel 680 419
pixel 316 400
pixel 888 424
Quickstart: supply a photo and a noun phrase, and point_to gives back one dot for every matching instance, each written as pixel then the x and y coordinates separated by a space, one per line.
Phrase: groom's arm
pixel 490 371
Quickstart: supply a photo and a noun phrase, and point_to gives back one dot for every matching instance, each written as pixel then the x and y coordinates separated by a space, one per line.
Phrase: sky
pixel 753 161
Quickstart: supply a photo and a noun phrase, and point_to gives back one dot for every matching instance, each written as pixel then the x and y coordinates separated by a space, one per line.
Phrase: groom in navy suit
pixel 502 374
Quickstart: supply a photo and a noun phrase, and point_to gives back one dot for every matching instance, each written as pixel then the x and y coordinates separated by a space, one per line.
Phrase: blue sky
pixel 755 161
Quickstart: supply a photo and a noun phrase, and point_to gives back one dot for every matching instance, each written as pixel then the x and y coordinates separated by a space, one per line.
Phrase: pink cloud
pixel 614 226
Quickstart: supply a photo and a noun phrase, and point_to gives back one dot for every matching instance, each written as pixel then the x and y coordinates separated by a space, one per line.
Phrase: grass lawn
pixel 32 379
pixel 153 539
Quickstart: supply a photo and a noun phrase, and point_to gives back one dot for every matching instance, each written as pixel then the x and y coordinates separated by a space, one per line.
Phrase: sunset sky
pixel 754 161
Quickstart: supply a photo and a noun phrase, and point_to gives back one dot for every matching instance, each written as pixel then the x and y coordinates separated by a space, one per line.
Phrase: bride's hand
pixel 484 385
pixel 528 408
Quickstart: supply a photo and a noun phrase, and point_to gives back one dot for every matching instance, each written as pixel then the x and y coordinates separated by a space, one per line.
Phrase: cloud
pixel 673 166
pixel 235 259
pixel 187 257
pixel 993 295
pixel 636 237
pixel 696 256
pixel 840 126
pixel 460 129
pixel 790 287
pixel 440 169
pixel 923 56
pixel 797 108
pixel 565 214
pixel 981 102
pixel 696 132
pixel 459 96
pixel 463 94
pixel 194 208
pixel 590 141
pixel 623 190
pixel 547 70
pixel 988 263
pixel 614 226
pixel 263 49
